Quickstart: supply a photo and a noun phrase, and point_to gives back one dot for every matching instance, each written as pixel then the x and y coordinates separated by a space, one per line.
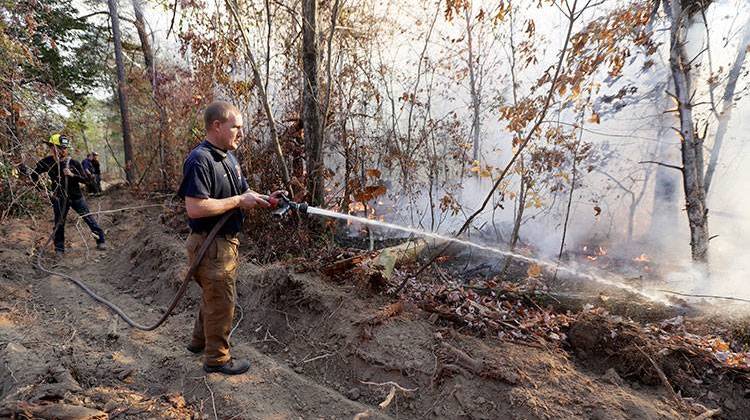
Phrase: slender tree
pixel 121 94
pixel 310 103
pixel 691 145
pixel 148 59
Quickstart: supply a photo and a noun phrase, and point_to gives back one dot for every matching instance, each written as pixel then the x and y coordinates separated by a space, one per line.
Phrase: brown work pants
pixel 216 276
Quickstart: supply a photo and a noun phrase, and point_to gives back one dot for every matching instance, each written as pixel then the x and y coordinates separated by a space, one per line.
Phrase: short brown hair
pixel 218 111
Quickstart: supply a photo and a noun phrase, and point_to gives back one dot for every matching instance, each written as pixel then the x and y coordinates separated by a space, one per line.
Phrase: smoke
pixel 632 208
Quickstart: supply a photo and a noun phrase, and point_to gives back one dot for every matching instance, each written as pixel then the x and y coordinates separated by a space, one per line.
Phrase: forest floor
pixel 322 348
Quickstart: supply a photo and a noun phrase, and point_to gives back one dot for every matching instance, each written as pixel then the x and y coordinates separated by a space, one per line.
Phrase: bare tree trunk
pixel 148 58
pixel 140 26
pixel 10 139
pixel 269 23
pixel 523 190
pixel 474 89
pixel 122 96
pixel 85 139
pixel 310 100
pixel 348 168
pixel 573 180
pixel 524 186
pixel 691 145
pixel 727 105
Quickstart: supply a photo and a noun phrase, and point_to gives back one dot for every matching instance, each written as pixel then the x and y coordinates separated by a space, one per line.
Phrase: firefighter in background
pixel 96 171
pixel 66 175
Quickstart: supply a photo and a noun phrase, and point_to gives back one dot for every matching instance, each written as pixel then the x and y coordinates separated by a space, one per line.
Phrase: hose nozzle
pixel 282 205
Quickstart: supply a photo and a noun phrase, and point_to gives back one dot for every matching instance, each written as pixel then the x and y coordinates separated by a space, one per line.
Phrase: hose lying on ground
pixel 114 308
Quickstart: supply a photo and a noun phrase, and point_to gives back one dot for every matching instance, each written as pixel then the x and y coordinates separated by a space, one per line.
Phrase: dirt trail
pixel 318 349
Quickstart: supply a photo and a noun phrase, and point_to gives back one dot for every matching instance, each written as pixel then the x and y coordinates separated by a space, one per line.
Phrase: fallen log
pixel 378 266
pixel 51 411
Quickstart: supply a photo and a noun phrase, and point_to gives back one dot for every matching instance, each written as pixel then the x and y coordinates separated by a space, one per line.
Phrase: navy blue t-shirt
pixel 210 172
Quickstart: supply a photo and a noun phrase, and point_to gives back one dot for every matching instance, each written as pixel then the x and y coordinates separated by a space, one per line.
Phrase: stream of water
pixel 657 297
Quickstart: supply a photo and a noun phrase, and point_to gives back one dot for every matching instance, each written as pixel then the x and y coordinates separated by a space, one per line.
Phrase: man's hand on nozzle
pixel 67 172
pixel 250 200
pixel 279 194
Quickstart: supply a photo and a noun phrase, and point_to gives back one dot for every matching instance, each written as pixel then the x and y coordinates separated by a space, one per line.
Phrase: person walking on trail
pixel 96 170
pixel 93 170
pixel 88 169
pixel 212 185
pixel 66 174
pixel 86 164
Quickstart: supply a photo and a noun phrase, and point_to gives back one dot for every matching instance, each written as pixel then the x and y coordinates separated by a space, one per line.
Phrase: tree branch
pixel 84 17
pixel 679 168
pixel 174 14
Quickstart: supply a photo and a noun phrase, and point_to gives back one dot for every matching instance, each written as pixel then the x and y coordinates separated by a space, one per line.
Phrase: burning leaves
pixel 599 256
pixel 594 253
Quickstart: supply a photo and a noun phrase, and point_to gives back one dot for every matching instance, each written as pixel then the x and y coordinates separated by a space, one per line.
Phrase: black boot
pixel 232 367
pixel 194 349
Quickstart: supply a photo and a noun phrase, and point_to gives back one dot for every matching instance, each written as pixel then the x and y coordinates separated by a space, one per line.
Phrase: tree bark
pixel 140 26
pixel 691 144
pixel 148 59
pixel 474 87
pixel 122 96
pixel 310 101
pixel 523 190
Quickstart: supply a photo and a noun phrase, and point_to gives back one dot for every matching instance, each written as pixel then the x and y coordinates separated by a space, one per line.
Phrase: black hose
pixel 114 308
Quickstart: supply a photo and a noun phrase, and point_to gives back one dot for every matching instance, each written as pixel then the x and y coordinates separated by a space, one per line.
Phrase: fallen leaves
pixel 503 310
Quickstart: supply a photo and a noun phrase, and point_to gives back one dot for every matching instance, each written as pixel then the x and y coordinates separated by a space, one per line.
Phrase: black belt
pixel 233 235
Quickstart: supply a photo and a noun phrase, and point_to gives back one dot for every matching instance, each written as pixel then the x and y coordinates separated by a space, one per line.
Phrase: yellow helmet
pixel 58 139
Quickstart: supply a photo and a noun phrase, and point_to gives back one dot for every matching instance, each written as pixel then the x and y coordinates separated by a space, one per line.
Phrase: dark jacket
pixel 87 166
pixel 96 167
pixel 54 169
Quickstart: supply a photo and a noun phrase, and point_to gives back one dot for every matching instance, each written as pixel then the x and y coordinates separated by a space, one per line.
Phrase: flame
pixel 594 254
pixel 642 258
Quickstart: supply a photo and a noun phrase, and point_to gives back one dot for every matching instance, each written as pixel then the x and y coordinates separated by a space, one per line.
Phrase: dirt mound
pixel 636 353
pixel 364 347
pixel 150 266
